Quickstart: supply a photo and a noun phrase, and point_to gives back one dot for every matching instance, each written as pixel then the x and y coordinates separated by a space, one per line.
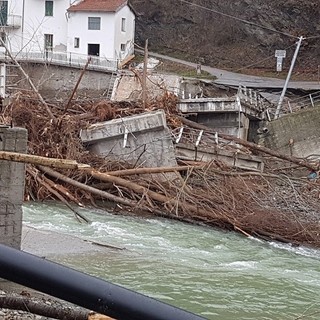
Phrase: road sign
pixel 279 64
pixel 280 53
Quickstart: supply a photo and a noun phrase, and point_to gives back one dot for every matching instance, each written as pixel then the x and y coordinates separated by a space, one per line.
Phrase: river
pixel 218 275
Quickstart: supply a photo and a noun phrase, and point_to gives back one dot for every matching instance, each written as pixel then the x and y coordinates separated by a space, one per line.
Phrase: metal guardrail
pixel 65 59
pixel 254 99
pixel 84 290
pixel 308 101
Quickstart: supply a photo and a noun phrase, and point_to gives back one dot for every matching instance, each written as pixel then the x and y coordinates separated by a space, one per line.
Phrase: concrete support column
pixel 12 177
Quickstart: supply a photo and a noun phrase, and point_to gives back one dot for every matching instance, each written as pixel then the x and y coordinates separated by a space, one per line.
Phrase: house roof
pixel 99 5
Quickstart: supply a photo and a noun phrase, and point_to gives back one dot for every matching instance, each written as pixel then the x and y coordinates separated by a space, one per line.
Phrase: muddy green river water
pixel 214 274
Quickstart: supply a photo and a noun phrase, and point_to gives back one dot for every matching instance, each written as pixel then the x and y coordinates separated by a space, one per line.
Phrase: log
pixel 137 189
pixel 38 160
pixel 172 202
pixel 47 183
pixel 102 194
pixel 77 85
pixel 40 307
pixel 251 145
pixel 129 172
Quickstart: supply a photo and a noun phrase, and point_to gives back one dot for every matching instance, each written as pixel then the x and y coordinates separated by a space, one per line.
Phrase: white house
pixel 100 28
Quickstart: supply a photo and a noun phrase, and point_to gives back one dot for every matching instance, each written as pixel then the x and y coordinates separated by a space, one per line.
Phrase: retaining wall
pixel 295 134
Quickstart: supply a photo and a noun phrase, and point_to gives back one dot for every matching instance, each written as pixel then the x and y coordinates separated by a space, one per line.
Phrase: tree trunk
pixel 37 160
pixel 53 310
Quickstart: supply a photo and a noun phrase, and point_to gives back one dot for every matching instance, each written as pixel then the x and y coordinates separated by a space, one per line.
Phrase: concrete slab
pixel 142 140
pixel 129 86
pixel 207 154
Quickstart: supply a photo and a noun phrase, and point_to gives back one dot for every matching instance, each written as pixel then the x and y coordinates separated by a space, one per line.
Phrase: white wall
pixel 36 24
pixel 15 7
pixel 126 37
pixel 78 27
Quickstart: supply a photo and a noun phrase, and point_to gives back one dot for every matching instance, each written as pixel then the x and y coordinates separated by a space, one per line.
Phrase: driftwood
pixel 171 203
pixel 82 186
pixel 211 193
pixel 109 196
pixel 129 172
pixel 252 146
pixel 54 310
pixel 48 185
pixel 77 85
pixel 37 160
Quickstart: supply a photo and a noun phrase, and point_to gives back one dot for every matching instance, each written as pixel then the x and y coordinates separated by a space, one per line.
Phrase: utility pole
pixel 276 116
pixel 144 76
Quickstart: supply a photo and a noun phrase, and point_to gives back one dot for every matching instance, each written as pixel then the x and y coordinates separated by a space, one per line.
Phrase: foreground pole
pixel 84 290
pixel 276 116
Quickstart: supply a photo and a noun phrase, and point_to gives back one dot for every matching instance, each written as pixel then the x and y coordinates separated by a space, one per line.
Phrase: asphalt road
pixel 236 79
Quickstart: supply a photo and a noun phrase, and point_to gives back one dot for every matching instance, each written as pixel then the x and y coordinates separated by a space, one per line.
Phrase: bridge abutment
pixel 12 177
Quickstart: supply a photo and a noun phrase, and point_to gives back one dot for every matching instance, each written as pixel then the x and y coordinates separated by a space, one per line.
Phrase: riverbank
pixel 47 244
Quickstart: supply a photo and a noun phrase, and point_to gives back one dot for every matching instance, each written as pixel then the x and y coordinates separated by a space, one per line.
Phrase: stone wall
pixel 295 134
pixel 12 177
pixel 58 82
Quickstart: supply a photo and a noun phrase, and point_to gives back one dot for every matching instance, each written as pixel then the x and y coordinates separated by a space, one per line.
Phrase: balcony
pixel 13 21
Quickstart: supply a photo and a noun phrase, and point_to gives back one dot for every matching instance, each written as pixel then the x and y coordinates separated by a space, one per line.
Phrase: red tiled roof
pixel 99 5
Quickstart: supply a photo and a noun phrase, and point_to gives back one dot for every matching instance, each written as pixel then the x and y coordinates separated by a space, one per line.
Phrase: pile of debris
pixel 274 205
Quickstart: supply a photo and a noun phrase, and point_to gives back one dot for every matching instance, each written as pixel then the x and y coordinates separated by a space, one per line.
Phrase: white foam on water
pixel 241 265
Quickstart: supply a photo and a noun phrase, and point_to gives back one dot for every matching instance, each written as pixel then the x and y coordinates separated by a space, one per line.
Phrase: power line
pixel 267 58
pixel 312 37
pixel 239 19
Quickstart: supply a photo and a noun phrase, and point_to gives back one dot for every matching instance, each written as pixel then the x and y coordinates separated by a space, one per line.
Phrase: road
pixel 236 79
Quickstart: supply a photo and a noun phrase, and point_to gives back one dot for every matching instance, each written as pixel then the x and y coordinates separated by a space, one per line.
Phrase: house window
pixel 3 13
pixel 48 8
pixel 48 42
pixel 3 38
pixel 94 23
pixel 123 24
pixel 123 47
pixel 76 42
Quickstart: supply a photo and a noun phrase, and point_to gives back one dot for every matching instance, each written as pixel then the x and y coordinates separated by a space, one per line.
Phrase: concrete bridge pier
pixel 12 177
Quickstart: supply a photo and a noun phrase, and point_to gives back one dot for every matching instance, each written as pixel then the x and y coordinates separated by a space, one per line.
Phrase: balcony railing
pixel 67 59
pixel 12 21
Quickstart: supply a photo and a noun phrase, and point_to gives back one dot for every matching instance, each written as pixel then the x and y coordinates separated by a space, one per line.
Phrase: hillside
pixel 199 33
